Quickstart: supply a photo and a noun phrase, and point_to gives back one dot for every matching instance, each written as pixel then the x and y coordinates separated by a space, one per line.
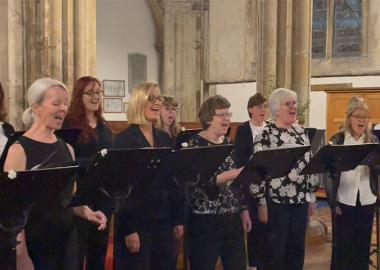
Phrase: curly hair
pixel 76 116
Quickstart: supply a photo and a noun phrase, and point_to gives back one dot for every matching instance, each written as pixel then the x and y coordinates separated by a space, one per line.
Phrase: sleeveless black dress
pixel 49 231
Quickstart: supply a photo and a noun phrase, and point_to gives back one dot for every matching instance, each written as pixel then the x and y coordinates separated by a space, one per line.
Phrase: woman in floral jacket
pixel 285 203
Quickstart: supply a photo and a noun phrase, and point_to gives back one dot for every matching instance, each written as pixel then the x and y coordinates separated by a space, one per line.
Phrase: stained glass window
pixel 319 28
pixel 348 27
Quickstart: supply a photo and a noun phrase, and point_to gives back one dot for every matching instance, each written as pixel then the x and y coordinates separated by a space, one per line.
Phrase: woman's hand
pixel 132 242
pixel 263 213
pixel 96 217
pixel 246 221
pixel 227 176
pixel 178 231
pixel 338 211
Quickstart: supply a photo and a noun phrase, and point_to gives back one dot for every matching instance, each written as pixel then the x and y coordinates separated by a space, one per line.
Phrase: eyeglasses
pixel 172 109
pixel 262 106
pixel 360 117
pixel 224 115
pixel 290 103
pixel 154 99
pixel 93 94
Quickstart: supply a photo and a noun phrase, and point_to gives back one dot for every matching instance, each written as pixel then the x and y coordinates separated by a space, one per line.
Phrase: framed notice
pixel 112 105
pixel 114 88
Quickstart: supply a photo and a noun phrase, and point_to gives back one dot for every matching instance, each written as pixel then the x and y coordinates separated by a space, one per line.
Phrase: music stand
pixel 271 163
pixel 21 190
pixel 334 159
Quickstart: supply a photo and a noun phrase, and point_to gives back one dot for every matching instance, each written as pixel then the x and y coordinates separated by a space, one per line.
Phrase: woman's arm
pixel 16 158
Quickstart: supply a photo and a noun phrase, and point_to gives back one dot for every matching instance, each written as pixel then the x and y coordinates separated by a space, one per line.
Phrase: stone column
pixel 267 40
pixel 15 63
pixel 85 38
pixel 301 55
pixel 181 54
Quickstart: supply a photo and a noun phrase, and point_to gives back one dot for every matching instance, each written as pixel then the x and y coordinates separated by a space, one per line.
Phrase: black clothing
pixel 8 129
pixel 285 246
pixel 48 232
pixel 353 236
pixel 215 228
pixel 151 210
pixel 243 144
pixel 92 242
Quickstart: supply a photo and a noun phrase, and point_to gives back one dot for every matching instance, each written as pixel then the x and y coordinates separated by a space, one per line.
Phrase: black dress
pixel 152 211
pixel 49 231
pixel 92 243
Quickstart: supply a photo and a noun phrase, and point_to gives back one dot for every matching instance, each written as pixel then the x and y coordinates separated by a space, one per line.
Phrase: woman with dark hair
pixel 85 113
pixel 245 136
pixel 153 216
pixel 215 227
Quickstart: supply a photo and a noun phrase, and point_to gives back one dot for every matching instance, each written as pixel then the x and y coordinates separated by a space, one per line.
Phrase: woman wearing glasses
pixel 245 136
pixel 151 218
pixel 168 116
pixel 356 196
pixel 215 227
pixel 286 202
pixel 85 113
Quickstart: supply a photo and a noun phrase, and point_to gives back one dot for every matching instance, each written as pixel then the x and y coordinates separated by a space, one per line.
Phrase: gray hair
pixel 35 94
pixel 278 96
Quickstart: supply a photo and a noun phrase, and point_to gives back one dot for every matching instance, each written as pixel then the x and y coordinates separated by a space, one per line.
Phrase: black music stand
pixel 21 190
pixel 271 163
pixel 184 136
pixel 334 159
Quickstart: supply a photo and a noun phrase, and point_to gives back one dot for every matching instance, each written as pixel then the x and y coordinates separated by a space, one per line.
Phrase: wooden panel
pixel 337 103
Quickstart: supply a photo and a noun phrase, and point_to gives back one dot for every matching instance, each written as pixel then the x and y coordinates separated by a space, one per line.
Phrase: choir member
pixel 245 136
pixel 168 116
pixel 153 216
pixel 215 226
pixel 49 230
pixel 354 202
pixel 85 113
pixel 289 200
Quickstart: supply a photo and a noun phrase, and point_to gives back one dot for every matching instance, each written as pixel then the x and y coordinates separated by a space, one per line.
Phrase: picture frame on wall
pixel 112 105
pixel 126 107
pixel 114 88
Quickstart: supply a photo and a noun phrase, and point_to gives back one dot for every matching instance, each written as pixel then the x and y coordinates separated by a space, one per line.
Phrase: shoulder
pixel 162 137
pixel 71 150
pixel 338 138
pixel 16 158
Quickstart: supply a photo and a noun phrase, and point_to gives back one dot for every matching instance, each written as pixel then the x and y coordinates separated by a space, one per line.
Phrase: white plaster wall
pixel 123 27
pixel 239 93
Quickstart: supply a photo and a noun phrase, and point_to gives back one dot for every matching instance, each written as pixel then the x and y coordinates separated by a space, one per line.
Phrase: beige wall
pixel 4 43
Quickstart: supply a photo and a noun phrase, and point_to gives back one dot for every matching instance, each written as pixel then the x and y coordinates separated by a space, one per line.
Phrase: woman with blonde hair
pixel 354 201
pixel 168 116
pixel 153 216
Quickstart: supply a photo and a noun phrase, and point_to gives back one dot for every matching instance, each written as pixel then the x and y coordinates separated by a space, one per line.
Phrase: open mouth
pixel 59 117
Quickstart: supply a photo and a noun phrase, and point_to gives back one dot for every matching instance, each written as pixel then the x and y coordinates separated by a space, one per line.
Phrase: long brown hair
pixel 76 116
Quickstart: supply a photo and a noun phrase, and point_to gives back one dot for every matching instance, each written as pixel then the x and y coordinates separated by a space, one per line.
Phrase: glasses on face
pixel 92 93
pixel 154 99
pixel 172 109
pixel 291 103
pixel 262 106
pixel 224 115
pixel 360 117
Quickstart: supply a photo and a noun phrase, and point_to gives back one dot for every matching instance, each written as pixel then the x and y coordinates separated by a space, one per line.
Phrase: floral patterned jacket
pixel 293 188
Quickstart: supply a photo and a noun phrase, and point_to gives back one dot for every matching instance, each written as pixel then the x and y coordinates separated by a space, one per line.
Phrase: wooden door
pixel 337 102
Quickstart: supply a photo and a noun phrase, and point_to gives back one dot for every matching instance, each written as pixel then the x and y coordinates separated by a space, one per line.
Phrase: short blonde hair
pixel 278 96
pixel 357 103
pixel 35 94
pixel 137 102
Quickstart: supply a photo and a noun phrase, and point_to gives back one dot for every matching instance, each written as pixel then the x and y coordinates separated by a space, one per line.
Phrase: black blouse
pixel 213 199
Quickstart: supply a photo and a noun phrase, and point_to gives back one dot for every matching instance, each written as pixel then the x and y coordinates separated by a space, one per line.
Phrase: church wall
pixel 124 27
pixel 239 93
pixel 4 43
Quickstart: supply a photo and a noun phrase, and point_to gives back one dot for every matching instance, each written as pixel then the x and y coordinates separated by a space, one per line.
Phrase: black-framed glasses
pixel 361 117
pixel 93 94
pixel 154 99
pixel 172 109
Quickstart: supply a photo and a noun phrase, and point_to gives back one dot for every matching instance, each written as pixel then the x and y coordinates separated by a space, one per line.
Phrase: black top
pixel 84 152
pixel 8 129
pixel 210 198
pixel 243 144
pixel 151 206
